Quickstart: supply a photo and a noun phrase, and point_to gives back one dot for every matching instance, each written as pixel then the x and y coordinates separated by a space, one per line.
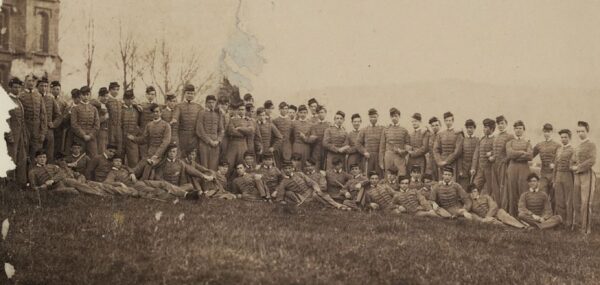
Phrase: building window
pixel 44 30
pixel 4 27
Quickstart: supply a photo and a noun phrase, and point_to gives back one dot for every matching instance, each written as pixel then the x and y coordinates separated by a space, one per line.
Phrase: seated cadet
pixel 124 177
pixel 310 169
pixel 271 175
pixel 297 162
pixel 352 188
pixel 250 162
pixel 410 201
pixel 100 165
pixel 416 181
pixel 191 160
pixel 451 196
pixel 297 188
pixel 425 190
pixel 534 206
pixel 218 188
pixel 485 209
pixel 49 177
pixel 249 185
pixel 178 173
pixel 378 195
pixel 391 179
pixel 77 160
pixel 336 179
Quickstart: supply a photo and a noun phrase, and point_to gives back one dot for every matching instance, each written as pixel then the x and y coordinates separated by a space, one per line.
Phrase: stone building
pixel 29 39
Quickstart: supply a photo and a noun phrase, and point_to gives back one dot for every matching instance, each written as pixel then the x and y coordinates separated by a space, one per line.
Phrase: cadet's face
pixel 447 176
pixel 43 88
pixel 223 169
pixel 77 100
pixel 284 111
pixel 435 126
pixel 103 99
pixel 475 193
pixel 415 175
pixel 171 103
pixel 404 184
pixel 127 101
pixel 395 118
pixel 313 108
pixel 114 91
pixel 487 130
pixel 374 179
pixel 156 113
pixel 210 104
pixel 16 89
pixel 117 162
pixel 415 123
pixel 189 95
pixel 192 155
pixel 449 121
pixel 547 134
pixel 391 177
pixel 519 130
pixel 85 97
pixel 322 114
pixel 151 96
pixel 564 139
pixel 292 113
pixel 110 152
pixel 470 130
pixel 240 169
pixel 502 125
pixel 338 166
pixel 76 150
pixel 309 168
pixel 224 106
pixel 55 90
pixel 582 132
pixel 172 154
pixel 356 123
pixel 533 183
pixel 302 114
pixel 355 171
pixel 339 120
pixel 268 162
pixel 269 111
pixel 288 170
pixel 373 119
pixel 41 159
pixel 241 111
pixel 249 160
pixel 262 116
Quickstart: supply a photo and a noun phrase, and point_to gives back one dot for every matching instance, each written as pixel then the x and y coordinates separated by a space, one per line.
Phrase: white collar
pixel 394 125
pixel 105 156
pixel 38 165
pixel 534 190
pixel 168 108
pixel 77 155
pixel 339 127
pixel 114 168
pixel 156 120
pixel 171 160
pixel 567 145
pixel 13 96
pixel 585 140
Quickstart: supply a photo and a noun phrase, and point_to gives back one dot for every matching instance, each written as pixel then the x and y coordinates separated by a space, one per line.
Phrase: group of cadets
pixel 232 150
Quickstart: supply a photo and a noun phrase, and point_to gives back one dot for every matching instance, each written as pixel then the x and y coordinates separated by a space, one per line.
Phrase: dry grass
pixel 86 240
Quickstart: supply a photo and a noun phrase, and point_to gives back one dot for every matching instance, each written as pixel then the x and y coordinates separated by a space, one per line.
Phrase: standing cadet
pixel 53 117
pixel 498 184
pixel 393 147
pixel 336 179
pixel 519 152
pixel 168 113
pixel 369 141
pixel 130 124
pixel 354 155
pixel 210 130
pixel 283 151
pixel 534 206
pixel 300 133
pixel 313 106
pixel 102 138
pixel 431 165
pixel 146 114
pixel 269 134
pixel 419 143
pixel 547 151
pixel 585 178
pixel 317 132
pixel 85 123
pixel 237 132
pixel 69 133
pixel 224 108
pixel 562 179
pixel 293 111
pixel 186 114
pixel 467 164
pixel 59 131
pixel 335 141
pixel 483 178
pixel 156 137
pixel 269 109
pixel 16 139
pixel 35 117
pixel 448 145
pixel 115 106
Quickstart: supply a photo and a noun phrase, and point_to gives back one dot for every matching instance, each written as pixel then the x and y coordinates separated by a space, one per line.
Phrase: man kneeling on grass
pixel 122 176
pixel 298 188
pixel 451 196
pixel 534 206
pixel 485 209
pixel 411 202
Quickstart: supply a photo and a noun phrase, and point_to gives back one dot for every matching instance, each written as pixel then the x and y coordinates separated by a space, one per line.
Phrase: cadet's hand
pixel 130 137
pixel 123 185
pixel 435 206
pixel 551 165
pixel 467 215
pixel 536 217
pixel 488 154
pixel 49 182
pixel 87 137
pixel 172 122
pixel 72 164
pixel 133 178
pixel 271 149
pixel 574 168
pixel 209 178
pixel 367 155
pixel 443 163
pixel 347 195
pixel 491 159
pixel 472 172
pixel 488 219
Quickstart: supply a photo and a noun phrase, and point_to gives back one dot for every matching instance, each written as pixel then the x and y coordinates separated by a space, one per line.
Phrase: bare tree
pixel 128 59
pixel 90 50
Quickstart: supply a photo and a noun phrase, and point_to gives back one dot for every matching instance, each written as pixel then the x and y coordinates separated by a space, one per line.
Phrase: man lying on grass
pixel 354 198
pixel 249 185
pixel 451 196
pixel 411 202
pixel 484 209
pixel 298 188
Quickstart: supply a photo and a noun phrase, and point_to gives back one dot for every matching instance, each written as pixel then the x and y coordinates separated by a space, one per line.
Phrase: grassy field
pixel 87 240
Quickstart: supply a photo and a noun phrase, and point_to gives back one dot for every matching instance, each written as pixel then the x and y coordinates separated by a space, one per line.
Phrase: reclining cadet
pixel 451 196
pixel 485 209
pixel 411 202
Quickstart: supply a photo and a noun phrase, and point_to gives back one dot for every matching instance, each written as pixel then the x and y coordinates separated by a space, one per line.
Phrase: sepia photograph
pixel 299 142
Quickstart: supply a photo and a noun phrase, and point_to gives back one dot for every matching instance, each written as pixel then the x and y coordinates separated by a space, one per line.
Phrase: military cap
pixel 189 88
pixel 153 107
pixel 415 168
pixel 337 161
pixel 296 156
pixel 249 107
pixel 260 110
pixel 301 108
pixel 565 131
pixel 283 105
pixel 286 163
pixel 113 85
pixel 402 178
pixel 223 163
pixel 341 113
pixel 417 116
pixel 489 123
pixel 584 124
pixel 394 111
pixel 433 120
pixel 102 91
pixel 354 165
pixel 373 112
pixel 267 155
pixel 547 127
pixel 354 116
pixel 15 81
pixel 111 146
pixel 170 97
pixel 43 80
pixel 448 115
pixel 371 173
pixel 268 104
pixel 501 118
pixel 312 101
pixel 470 123
pixel 150 89
pixel 448 169
pixel 247 97
pixel 171 146
pixel 40 152
pixel 249 153
pixel 211 98
pixel 321 108
pixel 85 89
pixel 293 107
pixel 54 83
pixel 128 94
pixel 519 123
pixel 75 93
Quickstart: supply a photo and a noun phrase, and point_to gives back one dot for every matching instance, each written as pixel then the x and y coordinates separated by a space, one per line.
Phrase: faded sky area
pixel 528 60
